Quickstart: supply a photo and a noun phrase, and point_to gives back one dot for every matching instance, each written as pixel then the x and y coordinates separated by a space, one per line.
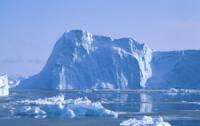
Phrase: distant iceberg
pixel 58 106
pixel 4 87
pixel 145 121
pixel 175 69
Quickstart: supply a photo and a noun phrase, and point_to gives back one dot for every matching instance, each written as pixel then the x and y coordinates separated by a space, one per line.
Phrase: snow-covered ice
pixel 145 121
pixel 4 87
pixel 58 106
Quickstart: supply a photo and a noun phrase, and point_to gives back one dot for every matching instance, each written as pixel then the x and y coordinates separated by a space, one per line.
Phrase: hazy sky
pixel 30 28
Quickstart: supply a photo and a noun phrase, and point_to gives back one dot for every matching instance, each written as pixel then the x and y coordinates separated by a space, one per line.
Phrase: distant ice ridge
pixel 81 60
pixel 4 87
pixel 58 106
pixel 145 121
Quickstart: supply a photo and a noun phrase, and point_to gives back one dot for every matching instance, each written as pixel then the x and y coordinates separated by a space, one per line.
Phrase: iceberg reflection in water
pixel 146 103
pixel 89 107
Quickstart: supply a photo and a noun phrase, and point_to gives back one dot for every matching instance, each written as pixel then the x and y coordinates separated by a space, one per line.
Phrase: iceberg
pixel 4 87
pixel 81 60
pixel 145 121
pixel 58 106
pixel 175 69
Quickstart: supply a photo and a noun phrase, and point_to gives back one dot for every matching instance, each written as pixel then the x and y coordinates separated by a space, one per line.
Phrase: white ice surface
pixel 145 121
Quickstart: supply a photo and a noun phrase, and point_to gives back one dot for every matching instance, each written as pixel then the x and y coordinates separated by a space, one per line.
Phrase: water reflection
pixel 145 103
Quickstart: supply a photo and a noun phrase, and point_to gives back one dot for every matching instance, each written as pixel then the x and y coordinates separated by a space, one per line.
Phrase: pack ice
pixel 4 87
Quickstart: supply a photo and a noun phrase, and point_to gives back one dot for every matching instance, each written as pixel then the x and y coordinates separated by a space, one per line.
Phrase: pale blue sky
pixel 30 28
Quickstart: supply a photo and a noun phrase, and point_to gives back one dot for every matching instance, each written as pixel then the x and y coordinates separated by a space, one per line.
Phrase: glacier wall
pixel 81 60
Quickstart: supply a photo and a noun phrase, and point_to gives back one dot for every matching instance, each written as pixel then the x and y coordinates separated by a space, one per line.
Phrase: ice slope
pixel 81 60
pixel 58 106
pixel 175 69
pixel 4 87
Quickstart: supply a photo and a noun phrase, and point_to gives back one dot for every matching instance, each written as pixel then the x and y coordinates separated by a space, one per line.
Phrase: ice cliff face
pixel 175 69
pixel 81 60
pixel 4 87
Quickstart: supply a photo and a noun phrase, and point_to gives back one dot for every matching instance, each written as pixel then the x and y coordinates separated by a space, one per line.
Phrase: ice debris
pixel 58 106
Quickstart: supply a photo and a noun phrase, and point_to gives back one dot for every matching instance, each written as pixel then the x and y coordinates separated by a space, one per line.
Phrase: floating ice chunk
pixel 172 91
pixel 4 87
pixel 59 107
pixel 145 121
pixel 84 107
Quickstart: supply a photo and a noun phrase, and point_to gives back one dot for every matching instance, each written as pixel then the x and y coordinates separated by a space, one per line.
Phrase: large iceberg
pixel 81 60
pixel 4 87
pixel 58 106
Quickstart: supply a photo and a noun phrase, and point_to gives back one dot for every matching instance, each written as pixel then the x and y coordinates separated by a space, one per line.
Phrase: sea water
pixel 178 107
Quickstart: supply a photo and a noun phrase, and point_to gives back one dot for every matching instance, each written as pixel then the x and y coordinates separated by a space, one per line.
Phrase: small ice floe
pixel 145 121
pixel 59 107
pixel 174 91
pixel 4 87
